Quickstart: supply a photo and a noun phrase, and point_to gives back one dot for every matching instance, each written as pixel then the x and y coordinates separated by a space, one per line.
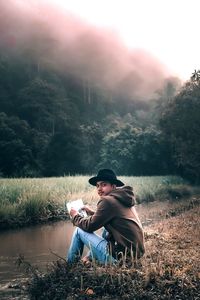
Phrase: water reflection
pixel 35 244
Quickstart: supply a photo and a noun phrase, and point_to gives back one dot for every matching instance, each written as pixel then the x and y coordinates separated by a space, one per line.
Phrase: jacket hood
pixel 124 195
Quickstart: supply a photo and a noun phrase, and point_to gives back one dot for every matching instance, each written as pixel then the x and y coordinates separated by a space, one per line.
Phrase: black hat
pixel 105 175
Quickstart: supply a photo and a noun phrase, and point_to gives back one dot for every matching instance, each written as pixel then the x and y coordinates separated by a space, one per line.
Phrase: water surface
pixel 36 244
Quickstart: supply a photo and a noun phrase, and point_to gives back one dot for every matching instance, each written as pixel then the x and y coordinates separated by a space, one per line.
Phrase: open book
pixel 77 205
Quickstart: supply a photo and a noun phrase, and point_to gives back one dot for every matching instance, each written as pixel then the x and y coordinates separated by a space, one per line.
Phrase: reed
pixel 26 200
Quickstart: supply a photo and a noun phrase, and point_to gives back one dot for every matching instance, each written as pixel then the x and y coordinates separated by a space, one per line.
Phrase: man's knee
pixel 78 231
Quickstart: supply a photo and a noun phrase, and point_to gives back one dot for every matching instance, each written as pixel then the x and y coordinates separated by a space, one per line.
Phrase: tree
pixel 63 154
pixel 44 106
pixel 131 150
pixel 181 125
pixel 16 156
pixel 91 141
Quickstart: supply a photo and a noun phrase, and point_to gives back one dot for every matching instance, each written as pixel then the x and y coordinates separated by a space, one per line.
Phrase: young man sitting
pixel 116 213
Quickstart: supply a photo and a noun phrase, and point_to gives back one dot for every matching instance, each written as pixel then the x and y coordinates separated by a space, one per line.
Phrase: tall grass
pixel 150 188
pixel 33 199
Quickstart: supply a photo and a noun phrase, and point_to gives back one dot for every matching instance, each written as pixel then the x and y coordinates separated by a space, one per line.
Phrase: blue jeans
pixel 97 245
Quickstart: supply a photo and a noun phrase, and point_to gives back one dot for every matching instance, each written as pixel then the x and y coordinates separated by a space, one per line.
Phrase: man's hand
pixel 73 212
pixel 88 210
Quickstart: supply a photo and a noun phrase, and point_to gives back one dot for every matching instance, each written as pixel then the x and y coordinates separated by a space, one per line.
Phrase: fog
pixel 59 40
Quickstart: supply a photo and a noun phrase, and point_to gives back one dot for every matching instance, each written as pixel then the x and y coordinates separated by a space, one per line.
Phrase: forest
pixel 55 123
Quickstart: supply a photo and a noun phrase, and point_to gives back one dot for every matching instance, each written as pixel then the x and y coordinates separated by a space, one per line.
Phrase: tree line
pixel 53 124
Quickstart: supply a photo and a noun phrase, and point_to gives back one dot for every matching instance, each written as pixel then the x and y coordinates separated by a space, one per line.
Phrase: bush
pixel 179 192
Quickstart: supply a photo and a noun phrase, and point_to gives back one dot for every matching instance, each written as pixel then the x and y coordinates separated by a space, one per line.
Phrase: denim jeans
pixel 97 245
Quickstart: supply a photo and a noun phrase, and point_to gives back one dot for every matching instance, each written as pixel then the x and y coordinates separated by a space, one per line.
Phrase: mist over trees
pixel 52 125
pixel 74 99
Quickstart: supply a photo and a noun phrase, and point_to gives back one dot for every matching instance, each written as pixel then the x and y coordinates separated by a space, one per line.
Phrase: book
pixel 77 205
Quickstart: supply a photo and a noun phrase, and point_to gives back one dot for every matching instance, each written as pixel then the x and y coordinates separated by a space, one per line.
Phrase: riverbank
pixel 13 223
pixel 169 270
pixel 25 202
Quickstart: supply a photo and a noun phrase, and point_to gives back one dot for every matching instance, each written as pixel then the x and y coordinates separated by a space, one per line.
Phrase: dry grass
pixel 172 254
pixel 169 270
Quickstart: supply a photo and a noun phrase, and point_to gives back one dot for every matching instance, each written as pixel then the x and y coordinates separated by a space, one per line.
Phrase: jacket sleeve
pixel 103 215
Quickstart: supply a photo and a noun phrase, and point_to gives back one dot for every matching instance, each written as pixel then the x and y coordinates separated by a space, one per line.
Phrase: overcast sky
pixel 169 29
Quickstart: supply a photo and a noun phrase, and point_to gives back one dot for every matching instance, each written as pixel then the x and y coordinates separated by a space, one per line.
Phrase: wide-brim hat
pixel 105 175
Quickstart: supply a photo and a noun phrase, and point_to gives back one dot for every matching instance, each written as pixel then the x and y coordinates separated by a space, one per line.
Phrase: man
pixel 116 213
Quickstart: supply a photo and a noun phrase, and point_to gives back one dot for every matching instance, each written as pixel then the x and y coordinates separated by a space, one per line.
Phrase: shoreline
pixel 168 270
pixel 7 225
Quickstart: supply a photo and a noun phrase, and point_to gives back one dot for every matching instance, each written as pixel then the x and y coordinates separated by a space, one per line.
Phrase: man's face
pixel 104 188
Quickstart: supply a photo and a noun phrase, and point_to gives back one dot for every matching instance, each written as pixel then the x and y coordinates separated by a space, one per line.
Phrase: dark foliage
pixel 52 124
pixel 180 123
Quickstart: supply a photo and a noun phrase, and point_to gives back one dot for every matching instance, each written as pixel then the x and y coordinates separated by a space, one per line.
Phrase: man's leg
pixel 76 247
pixel 96 244
pixel 104 233
pixel 88 257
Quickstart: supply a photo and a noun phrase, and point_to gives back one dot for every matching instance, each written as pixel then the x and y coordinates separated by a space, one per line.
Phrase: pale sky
pixel 168 29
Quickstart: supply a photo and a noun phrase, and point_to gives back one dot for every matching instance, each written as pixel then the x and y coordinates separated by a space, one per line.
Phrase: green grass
pixel 31 200
pixel 148 189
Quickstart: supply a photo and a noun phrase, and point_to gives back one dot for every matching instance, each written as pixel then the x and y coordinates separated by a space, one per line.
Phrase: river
pixel 36 244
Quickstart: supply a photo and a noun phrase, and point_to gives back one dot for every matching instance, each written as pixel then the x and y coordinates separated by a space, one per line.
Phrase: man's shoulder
pixel 107 199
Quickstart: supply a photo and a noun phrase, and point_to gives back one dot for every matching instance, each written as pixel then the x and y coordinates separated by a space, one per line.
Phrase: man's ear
pixel 114 186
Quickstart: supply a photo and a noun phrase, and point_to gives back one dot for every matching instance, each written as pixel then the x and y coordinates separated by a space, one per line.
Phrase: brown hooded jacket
pixel 116 212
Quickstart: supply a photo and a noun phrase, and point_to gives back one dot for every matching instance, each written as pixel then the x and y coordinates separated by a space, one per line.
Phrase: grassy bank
pixel 169 270
pixel 30 201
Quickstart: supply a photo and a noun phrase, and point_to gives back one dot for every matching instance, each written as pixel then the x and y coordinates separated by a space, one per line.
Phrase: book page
pixel 77 205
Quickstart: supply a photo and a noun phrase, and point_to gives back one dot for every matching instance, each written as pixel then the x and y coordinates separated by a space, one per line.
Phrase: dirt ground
pixel 170 268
